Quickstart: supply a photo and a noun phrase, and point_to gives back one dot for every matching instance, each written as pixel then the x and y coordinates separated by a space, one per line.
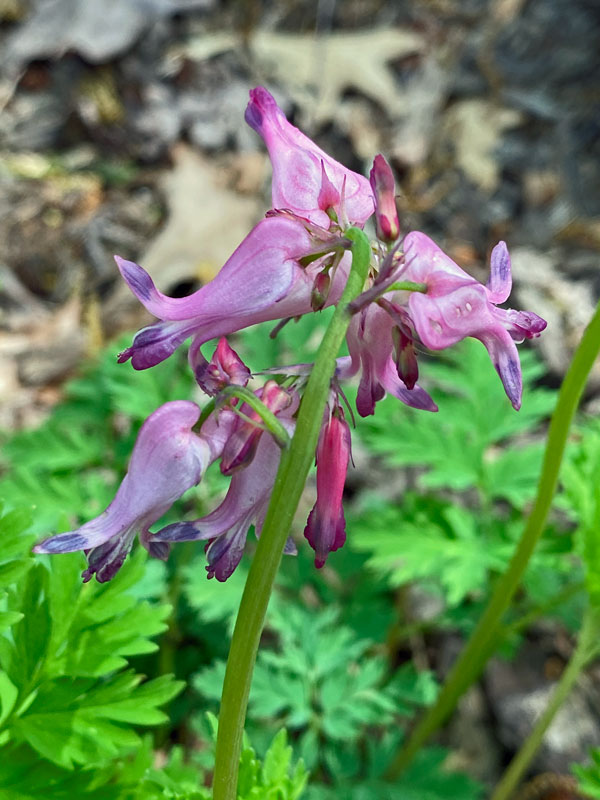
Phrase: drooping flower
pixel 264 279
pixel 455 305
pixel 305 179
pixel 326 526
pixel 372 347
pixel 168 458
pixel 243 441
pixel 245 503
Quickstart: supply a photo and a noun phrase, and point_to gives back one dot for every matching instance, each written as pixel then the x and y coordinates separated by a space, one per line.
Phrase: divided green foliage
pixel 463 445
pixel 65 690
pixel 427 778
pixel 451 541
pixel 588 777
pixel 69 467
pixel 323 683
pixel 430 539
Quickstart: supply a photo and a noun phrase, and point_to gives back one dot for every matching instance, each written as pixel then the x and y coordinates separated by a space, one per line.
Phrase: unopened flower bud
pixel 224 369
pixel 405 358
pixel 384 189
pixel 320 291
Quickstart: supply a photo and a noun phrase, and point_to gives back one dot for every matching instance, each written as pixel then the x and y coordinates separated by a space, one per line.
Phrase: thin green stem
pixel 470 663
pixel 289 483
pixel 407 286
pixel 587 647
pixel 269 419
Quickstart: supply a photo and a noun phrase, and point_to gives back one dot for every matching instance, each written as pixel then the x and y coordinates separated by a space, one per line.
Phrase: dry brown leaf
pixel 475 127
pixel 317 69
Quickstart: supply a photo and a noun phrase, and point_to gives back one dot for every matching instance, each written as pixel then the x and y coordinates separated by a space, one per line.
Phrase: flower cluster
pixel 294 262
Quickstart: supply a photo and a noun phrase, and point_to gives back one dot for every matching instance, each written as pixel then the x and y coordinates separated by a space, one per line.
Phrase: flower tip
pixel 261 103
pixel 62 543
pixel 137 279
pixel 124 355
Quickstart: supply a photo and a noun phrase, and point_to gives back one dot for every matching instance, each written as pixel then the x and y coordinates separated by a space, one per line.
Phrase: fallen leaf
pixel 475 127
pixel 317 69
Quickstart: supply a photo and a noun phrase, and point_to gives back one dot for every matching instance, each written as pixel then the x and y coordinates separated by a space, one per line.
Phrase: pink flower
pixel 455 305
pixel 372 347
pixel 305 179
pixel 326 526
pixel 245 503
pixel 243 441
pixel 167 459
pixel 264 279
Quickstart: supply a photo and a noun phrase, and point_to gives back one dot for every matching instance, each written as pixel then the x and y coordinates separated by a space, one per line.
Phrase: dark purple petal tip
pixel 178 532
pixel 63 543
pixel 136 278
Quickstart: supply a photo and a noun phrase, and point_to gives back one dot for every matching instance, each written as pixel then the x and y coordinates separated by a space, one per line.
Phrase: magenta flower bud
pixel 329 197
pixel 326 526
pixel 241 445
pixel 305 179
pixel 384 189
pixel 167 459
pixel 224 369
pixel 456 305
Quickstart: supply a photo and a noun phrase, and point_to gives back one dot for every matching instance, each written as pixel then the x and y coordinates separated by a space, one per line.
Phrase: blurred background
pixel 121 131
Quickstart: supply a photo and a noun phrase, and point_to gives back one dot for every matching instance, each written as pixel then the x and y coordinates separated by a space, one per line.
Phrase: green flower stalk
pixel 289 483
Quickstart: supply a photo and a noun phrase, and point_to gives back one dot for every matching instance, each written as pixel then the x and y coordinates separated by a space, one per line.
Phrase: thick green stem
pixel 289 483
pixel 470 663
pixel 587 647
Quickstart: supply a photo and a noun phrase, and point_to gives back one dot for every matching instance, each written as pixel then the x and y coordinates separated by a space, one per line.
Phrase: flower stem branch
pixel 587 648
pixel 291 477
pixel 484 639
pixel 271 423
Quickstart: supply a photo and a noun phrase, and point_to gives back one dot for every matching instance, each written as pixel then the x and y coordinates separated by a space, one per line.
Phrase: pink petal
pixel 505 359
pixel 259 273
pixel 167 459
pixel 297 171
pixel 500 280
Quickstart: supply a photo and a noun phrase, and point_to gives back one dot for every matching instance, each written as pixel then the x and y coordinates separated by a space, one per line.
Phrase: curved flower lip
pixel 456 306
pixel 299 165
pixel 261 281
pixel 371 347
pixel 224 369
pixel 167 459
